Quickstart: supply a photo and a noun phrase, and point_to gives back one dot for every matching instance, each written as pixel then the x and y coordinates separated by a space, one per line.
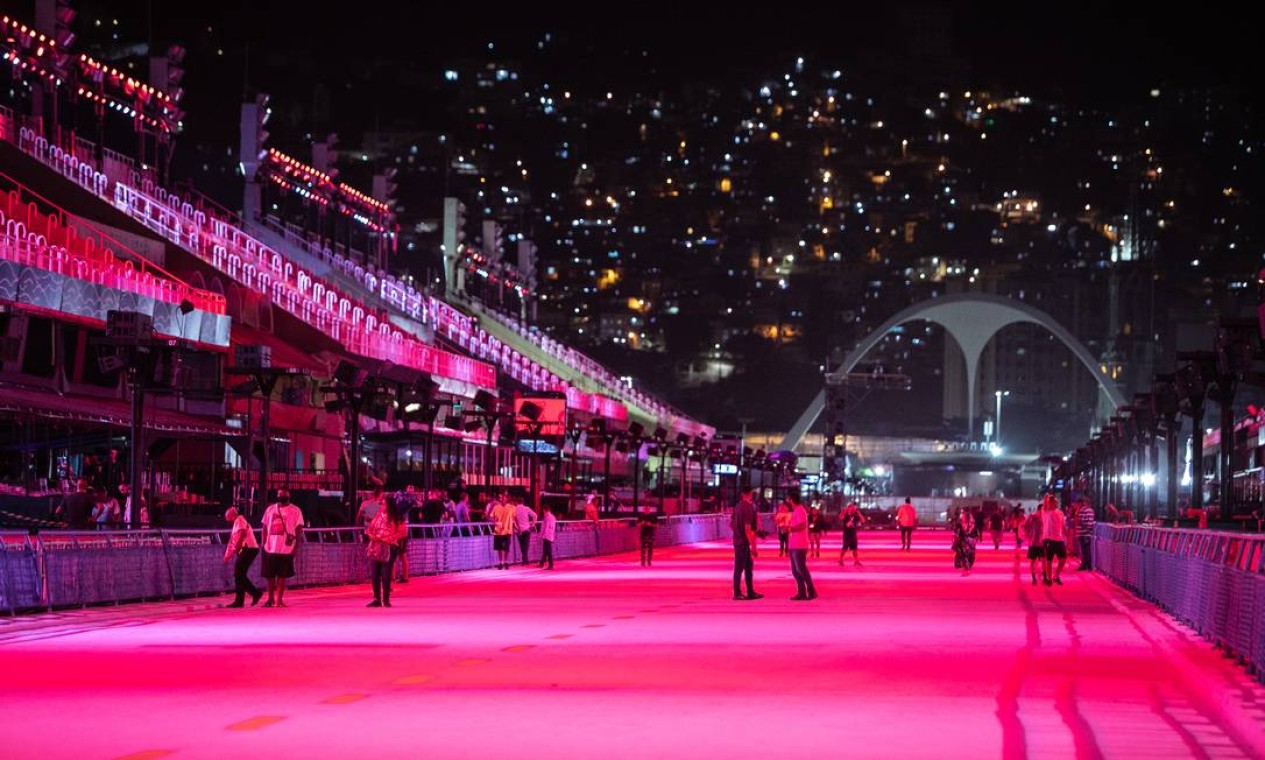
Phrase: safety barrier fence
pixel 1210 580
pixel 57 569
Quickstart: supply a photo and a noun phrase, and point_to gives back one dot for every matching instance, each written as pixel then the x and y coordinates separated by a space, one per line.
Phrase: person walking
pixel 996 526
pixel 1014 521
pixel 648 524
pixel 242 549
pixel 548 534
pixel 384 533
pixel 906 520
pixel 1054 538
pixel 783 520
pixel 745 524
pixel 1030 529
pixel 1085 521
pixel 851 521
pixel 816 529
pixel 524 519
pixel 283 532
pixel 964 535
pixel 797 549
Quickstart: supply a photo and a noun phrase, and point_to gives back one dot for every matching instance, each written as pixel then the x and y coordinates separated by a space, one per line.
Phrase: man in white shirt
pixel 524 519
pixel 242 546
pixel 1054 536
pixel 797 543
pixel 282 531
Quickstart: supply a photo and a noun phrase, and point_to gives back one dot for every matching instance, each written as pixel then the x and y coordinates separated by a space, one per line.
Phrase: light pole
pixel 997 419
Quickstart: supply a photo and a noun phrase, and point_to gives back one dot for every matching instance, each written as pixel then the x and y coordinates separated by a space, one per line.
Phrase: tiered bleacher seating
pixel 242 257
pixel 37 238
pixel 221 240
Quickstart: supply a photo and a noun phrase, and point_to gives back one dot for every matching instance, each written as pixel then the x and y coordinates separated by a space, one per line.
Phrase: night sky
pixel 1098 54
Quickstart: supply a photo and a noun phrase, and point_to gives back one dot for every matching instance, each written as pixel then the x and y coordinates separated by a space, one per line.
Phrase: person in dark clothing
pixel 745 523
pixel 433 512
pixel 241 550
pixel 76 508
pixel 996 526
pixel 816 529
pixel 407 505
pixel 648 523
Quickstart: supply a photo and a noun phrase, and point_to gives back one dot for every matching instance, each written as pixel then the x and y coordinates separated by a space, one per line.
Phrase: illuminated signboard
pixel 725 469
pixel 537 446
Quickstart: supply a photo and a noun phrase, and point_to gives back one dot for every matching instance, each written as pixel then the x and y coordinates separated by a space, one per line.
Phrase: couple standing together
pixel 745 523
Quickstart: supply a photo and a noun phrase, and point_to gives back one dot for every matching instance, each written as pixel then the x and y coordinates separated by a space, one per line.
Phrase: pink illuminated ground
pixel 900 658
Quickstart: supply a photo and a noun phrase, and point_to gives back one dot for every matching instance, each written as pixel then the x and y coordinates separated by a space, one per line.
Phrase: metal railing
pixel 1210 580
pixel 44 570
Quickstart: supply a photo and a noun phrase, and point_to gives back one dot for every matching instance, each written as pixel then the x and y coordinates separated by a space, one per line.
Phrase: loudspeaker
pixel 485 401
pixel 349 374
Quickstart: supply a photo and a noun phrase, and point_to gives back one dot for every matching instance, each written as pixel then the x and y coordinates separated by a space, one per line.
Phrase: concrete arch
pixel 972 319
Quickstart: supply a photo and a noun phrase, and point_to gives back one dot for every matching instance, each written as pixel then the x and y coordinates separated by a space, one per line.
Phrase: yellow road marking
pixel 518 648
pixel 147 754
pixel 560 636
pixel 594 625
pixel 410 680
pixel 472 661
pixel 623 617
pixel 343 699
pixel 256 723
